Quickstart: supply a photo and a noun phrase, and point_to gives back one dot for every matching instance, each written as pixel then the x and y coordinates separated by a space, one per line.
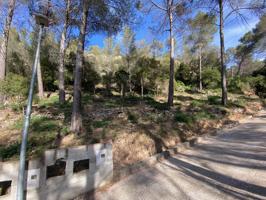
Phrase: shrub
pixel 214 100
pixel 196 103
pixel 260 85
pixel 180 86
pixel 9 151
pixel 183 117
pixel 211 78
pixel 259 82
pixel 14 86
pixel 185 74
pixel 203 115
pixel 240 103
pixel 191 118
pixel 239 85
pixel 90 78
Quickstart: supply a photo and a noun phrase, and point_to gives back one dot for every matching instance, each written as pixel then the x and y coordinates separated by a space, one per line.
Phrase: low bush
pixel 180 86
pixel 258 83
pixel 214 100
pixel 239 85
pixel 193 117
pixel 211 78
pixel 14 86
pixel 184 118
pixel 197 103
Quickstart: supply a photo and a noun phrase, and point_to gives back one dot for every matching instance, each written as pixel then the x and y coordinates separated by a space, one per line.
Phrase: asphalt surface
pixel 231 165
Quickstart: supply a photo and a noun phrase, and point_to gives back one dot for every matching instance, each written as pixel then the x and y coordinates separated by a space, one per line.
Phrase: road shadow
pixel 241 148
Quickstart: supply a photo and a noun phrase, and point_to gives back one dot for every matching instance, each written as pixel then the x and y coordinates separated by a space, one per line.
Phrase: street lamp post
pixel 41 11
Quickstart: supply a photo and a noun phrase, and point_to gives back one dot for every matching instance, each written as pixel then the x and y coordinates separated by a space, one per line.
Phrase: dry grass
pixel 138 128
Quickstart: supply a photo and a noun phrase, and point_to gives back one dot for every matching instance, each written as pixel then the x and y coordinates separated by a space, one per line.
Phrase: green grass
pixel 37 144
pixel 214 100
pixel 87 99
pixel 101 124
pixel 2 106
pixel 17 107
pixel 184 118
pixel 193 117
pixel 9 151
pixel 197 103
pixel 240 103
pixel 203 115
pixel 47 102
pixel 155 104
pixel 38 124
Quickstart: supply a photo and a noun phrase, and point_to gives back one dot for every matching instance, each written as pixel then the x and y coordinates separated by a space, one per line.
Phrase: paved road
pixel 229 166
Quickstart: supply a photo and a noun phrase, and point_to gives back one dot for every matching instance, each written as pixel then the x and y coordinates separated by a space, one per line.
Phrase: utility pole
pixel 23 148
pixel 41 11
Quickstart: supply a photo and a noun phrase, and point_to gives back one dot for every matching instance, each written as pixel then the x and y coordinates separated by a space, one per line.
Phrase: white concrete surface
pixel 66 186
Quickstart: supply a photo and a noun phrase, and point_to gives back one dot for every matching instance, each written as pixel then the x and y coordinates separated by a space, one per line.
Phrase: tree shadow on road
pixel 242 148
pixel 226 184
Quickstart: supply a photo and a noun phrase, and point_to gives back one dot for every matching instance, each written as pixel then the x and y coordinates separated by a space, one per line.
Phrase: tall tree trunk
pixel 4 43
pixel 129 75
pixel 172 62
pixel 76 118
pixel 142 86
pixel 239 67
pixel 39 79
pixel 223 67
pixel 200 69
pixel 121 90
pixel 61 78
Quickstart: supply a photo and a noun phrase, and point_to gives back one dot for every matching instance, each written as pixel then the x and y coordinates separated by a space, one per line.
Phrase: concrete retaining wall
pixel 61 173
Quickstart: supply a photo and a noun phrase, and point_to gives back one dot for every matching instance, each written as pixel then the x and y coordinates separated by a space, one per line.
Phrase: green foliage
pixel 14 86
pixel 90 78
pixel 202 30
pixel 155 104
pixel 101 124
pixel 17 106
pixel 18 56
pixel 190 118
pixel 259 82
pixel 43 132
pixel 196 103
pixel 185 74
pixel 180 86
pixel 48 102
pixel 238 85
pixel 38 124
pixel 203 115
pixel 254 41
pixel 184 118
pixel 121 78
pixel 211 78
pixel 214 100
pixel 240 103
pixel 9 151
pixel 148 73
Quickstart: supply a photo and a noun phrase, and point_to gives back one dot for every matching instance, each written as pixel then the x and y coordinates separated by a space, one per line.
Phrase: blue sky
pixel 234 29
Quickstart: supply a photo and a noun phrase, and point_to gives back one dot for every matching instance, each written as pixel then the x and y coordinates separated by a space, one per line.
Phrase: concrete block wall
pixel 45 183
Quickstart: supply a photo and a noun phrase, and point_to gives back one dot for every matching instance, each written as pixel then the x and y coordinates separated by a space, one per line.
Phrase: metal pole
pixel 23 148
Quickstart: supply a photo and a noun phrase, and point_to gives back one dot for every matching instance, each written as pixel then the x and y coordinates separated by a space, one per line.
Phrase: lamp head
pixel 42 11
